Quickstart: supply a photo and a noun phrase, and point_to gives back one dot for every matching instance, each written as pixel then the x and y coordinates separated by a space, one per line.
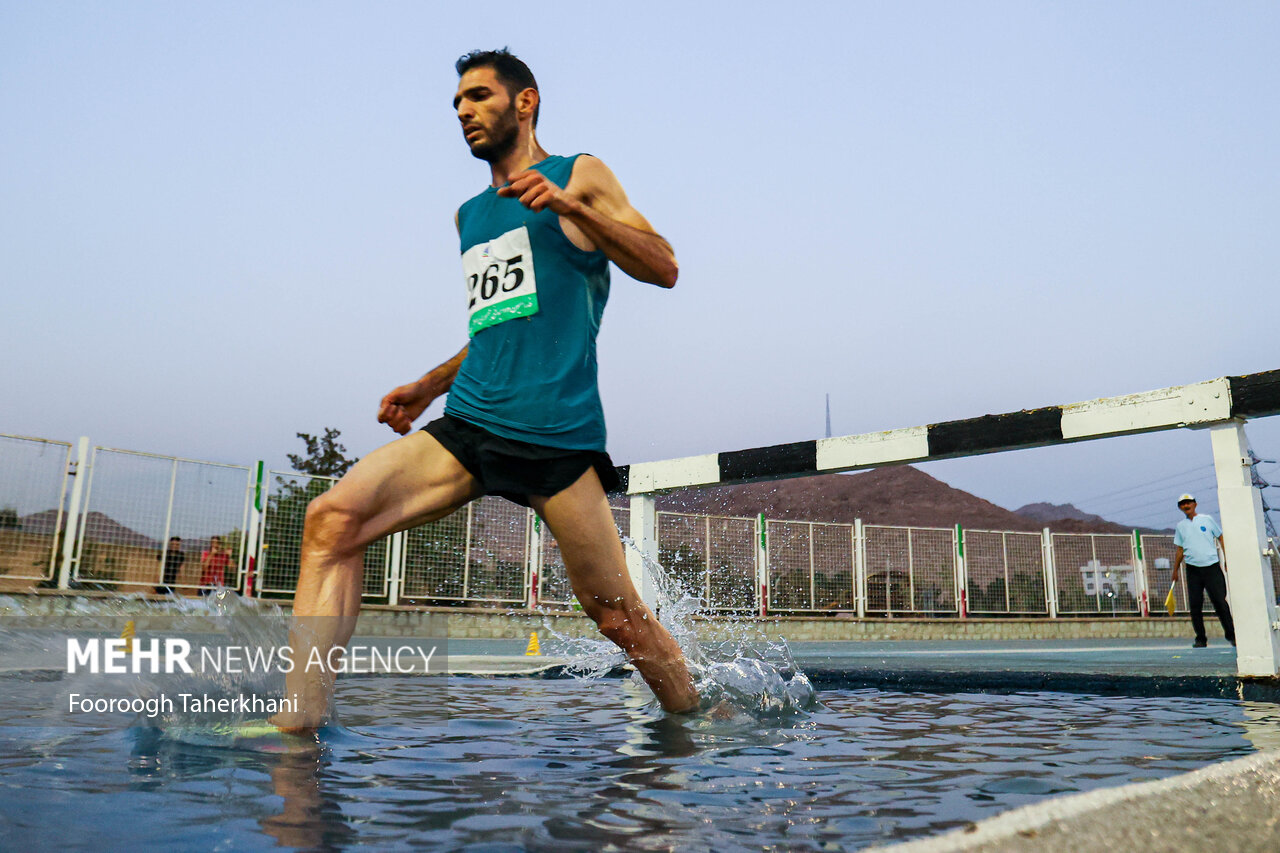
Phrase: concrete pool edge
pixel 1232 805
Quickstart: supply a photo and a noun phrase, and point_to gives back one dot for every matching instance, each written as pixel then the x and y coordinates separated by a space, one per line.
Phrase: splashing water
pixel 740 672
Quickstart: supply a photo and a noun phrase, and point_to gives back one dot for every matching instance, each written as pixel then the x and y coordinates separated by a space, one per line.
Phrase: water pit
pixel 587 763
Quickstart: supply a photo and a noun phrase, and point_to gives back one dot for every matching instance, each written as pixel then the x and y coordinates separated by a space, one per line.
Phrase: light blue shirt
pixel 1198 538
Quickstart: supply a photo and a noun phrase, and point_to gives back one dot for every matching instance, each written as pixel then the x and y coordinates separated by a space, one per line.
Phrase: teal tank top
pixel 535 302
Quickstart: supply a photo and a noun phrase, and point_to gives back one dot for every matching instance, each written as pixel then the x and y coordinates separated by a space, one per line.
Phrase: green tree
pixel 325 456
pixel 9 519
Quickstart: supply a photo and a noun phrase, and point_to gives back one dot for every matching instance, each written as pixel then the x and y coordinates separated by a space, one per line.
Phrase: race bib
pixel 500 282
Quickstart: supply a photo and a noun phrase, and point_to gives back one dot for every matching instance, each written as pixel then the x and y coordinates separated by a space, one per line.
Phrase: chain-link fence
pixel 731 564
pixel 554 587
pixel 911 570
pixel 1157 557
pixel 436 557
pixel 288 495
pixel 711 557
pixel 811 566
pixel 150 522
pixel 478 554
pixel 1096 573
pixel 33 485
pixel 498 559
pixel 1005 572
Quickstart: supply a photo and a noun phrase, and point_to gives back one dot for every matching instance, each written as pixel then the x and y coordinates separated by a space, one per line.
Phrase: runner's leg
pixel 409 482
pixel 580 519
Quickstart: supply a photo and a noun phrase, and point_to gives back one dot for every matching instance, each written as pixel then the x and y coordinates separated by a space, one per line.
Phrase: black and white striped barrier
pixel 1199 405
pixel 1220 405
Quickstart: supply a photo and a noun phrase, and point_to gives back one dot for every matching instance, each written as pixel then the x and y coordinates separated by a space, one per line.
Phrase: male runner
pixel 523 418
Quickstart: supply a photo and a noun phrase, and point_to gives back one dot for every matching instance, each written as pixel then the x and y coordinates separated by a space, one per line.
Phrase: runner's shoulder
pixel 591 177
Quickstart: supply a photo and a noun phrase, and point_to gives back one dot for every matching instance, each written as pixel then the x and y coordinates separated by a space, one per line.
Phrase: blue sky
pixel 227 223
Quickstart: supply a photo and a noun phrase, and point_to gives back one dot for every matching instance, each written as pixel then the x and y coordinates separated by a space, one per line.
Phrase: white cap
pixel 1186 498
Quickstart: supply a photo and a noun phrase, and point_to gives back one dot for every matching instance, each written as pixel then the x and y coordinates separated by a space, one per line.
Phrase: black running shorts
pixel 516 469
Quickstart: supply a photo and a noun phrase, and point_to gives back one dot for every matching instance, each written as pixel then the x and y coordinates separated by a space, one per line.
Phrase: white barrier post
pixel 860 567
pixel 762 566
pixel 396 569
pixel 71 530
pixel 644 538
pixel 1252 589
pixel 1050 573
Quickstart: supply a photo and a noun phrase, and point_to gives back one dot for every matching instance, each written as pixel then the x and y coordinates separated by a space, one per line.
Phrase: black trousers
pixel 1201 579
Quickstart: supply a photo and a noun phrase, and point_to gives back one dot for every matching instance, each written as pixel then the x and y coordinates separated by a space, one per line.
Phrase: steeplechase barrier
pixel 1220 405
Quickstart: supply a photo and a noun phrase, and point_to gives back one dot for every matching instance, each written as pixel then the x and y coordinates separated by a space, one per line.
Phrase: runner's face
pixel 487 114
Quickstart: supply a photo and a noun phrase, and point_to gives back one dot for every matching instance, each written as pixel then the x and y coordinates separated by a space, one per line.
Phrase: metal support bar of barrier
pixel 644 538
pixel 1252 588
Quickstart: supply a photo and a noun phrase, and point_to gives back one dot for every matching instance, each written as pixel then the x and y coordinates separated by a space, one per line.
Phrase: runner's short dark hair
pixel 513 73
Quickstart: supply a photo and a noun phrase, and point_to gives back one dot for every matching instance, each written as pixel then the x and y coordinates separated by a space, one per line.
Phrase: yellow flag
pixel 1170 603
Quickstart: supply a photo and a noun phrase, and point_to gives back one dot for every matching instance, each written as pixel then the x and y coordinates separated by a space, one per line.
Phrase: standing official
pixel 1198 539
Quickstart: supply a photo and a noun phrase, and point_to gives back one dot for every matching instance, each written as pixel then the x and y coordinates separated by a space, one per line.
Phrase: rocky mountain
pixel 1069 518
pixel 100 528
pixel 899 495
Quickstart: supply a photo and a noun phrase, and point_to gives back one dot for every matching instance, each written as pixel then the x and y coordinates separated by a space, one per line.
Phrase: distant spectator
pixel 173 560
pixel 1198 537
pixel 213 566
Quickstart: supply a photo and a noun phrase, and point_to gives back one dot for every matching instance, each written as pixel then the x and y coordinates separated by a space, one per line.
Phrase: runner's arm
pixel 595 202
pixel 402 406
pixel 618 229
